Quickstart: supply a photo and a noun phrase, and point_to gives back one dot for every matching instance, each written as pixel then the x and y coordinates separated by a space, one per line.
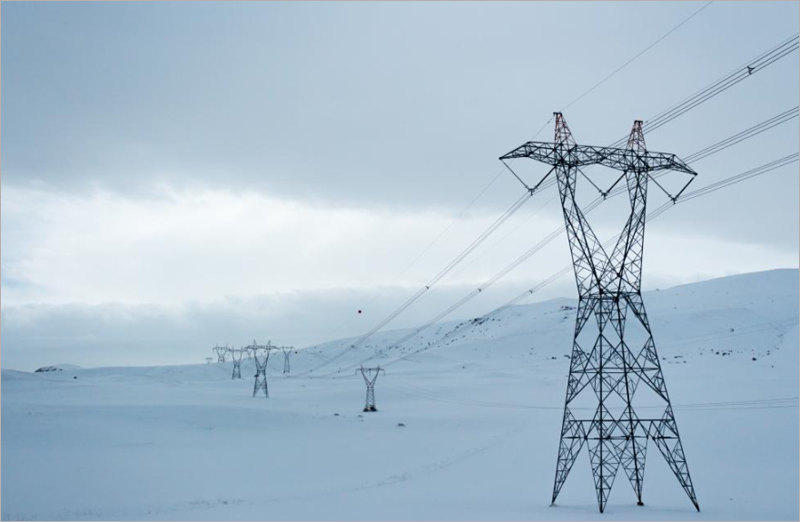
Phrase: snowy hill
pixel 480 415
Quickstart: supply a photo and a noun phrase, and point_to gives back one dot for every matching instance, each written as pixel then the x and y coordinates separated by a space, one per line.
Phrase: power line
pixel 739 74
pixel 443 272
pixel 581 96
pixel 758 63
pixel 727 182
pixel 424 251
pixel 702 154
pixel 503 238
pixel 615 71
pixel 618 69
pixel 732 180
pixel 745 134
pixel 618 190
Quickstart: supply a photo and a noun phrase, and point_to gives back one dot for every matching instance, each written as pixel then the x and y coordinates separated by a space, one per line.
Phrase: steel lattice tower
pixel 261 366
pixel 607 367
pixel 236 357
pixel 220 351
pixel 370 376
pixel 286 353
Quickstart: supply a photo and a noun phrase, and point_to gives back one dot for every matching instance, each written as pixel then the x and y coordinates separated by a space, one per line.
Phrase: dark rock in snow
pixel 48 369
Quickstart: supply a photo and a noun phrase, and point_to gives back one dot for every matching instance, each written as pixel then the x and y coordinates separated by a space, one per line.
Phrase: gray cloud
pixel 385 105
pixel 117 334
pixel 379 121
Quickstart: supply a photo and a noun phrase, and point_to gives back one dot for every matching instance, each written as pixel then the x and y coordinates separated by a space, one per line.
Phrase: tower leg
pixel 604 456
pixel 370 402
pixel 260 384
pixel 572 439
pixel 665 436
pixel 615 435
pixel 633 459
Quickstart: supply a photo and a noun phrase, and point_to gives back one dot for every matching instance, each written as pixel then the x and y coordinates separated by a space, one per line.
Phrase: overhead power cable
pixel 732 180
pixel 640 53
pixel 727 182
pixel 627 63
pixel 443 272
pixel 581 96
pixel 503 238
pixel 745 134
pixel 424 251
pixel 697 156
pixel 594 204
pixel 739 74
pixel 765 59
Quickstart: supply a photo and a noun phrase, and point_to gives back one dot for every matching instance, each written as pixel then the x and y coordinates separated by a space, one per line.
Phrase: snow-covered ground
pixel 480 419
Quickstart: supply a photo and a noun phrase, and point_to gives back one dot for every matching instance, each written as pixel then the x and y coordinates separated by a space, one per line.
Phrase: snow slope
pixel 481 415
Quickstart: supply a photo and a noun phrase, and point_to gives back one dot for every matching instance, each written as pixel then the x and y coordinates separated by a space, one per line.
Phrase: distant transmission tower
pixel 610 360
pixel 370 376
pixel 286 353
pixel 236 357
pixel 221 351
pixel 261 358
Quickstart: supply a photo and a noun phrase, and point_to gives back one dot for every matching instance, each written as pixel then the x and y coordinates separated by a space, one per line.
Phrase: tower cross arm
pixel 549 153
pixel 611 157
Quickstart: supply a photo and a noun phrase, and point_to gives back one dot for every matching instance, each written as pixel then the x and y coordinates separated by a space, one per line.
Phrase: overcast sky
pixel 176 175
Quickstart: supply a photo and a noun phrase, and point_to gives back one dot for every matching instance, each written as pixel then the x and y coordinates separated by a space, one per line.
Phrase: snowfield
pixel 481 416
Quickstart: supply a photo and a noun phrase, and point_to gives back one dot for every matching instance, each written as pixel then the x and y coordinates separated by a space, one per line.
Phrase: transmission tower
pixel 604 360
pixel 370 375
pixel 286 353
pixel 236 357
pixel 221 351
pixel 261 358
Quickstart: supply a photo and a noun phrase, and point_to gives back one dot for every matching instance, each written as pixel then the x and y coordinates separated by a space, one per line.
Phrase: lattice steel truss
pixel 286 353
pixel 609 364
pixel 221 351
pixel 261 357
pixel 236 357
pixel 370 375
